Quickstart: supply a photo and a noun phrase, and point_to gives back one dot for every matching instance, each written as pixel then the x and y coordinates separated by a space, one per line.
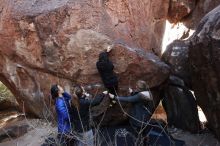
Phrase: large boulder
pixel 13 132
pixel 190 12
pixel 201 9
pixel 180 106
pixel 204 57
pixel 177 57
pixel 58 41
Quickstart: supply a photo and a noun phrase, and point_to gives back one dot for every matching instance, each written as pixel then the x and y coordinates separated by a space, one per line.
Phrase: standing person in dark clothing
pixel 140 112
pixel 62 105
pixel 105 68
pixel 142 101
pixel 81 116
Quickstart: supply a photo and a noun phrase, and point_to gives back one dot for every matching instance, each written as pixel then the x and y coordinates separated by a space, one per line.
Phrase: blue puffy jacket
pixel 63 113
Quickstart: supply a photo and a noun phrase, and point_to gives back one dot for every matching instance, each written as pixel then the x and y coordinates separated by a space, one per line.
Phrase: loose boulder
pixel 177 57
pixel 180 106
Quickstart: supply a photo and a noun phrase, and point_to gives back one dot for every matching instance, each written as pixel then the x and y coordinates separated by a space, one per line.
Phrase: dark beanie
pixel 54 91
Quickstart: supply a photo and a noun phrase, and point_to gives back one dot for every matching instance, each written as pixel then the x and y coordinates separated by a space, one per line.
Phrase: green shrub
pixel 5 93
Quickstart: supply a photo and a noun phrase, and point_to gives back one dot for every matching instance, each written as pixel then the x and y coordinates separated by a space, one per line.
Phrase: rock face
pixel 180 106
pixel 58 41
pixel 201 9
pixel 190 12
pixel 13 132
pixel 8 104
pixel 179 103
pixel 180 9
pixel 176 56
pixel 204 56
pixel 196 61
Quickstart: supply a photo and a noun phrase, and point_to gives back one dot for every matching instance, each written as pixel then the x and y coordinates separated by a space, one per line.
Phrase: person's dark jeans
pixel 141 135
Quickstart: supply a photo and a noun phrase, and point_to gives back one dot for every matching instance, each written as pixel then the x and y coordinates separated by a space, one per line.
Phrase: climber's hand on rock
pixel 109 48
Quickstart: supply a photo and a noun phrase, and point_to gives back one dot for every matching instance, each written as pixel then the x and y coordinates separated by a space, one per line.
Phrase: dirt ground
pixel 42 129
pixel 206 139
pixel 39 130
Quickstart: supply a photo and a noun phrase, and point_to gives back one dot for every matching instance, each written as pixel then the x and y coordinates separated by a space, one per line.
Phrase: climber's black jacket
pixel 105 68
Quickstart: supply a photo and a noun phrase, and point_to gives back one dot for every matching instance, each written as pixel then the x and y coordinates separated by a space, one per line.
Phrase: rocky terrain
pixel 43 42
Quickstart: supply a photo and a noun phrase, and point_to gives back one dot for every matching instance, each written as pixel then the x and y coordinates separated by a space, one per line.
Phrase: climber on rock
pixel 63 110
pixel 81 115
pixel 105 68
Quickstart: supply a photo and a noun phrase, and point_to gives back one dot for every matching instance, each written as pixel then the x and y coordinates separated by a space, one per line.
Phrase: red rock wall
pixel 190 12
pixel 58 41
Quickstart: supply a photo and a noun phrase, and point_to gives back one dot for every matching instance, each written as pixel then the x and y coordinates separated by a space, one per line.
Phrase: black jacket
pixel 81 117
pixel 105 68
pixel 141 111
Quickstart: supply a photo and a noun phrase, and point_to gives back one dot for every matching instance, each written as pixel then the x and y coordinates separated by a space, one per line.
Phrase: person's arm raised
pixel 144 95
pixel 130 99
pixel 92 102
